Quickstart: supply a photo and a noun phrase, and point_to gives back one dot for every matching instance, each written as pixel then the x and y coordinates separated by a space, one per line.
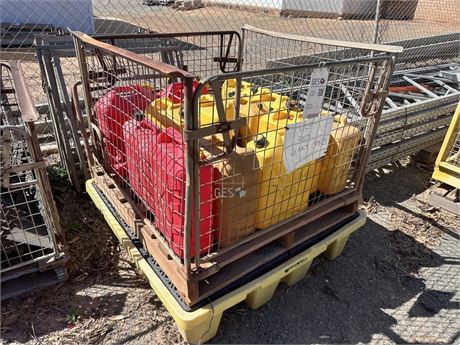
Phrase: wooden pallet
pixel 446 197
pixel 229 264
pixel 34 276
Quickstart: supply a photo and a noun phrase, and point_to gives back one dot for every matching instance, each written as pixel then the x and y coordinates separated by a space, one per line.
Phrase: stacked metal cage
pixel 447 168
pixel 190 133
pixel 30 230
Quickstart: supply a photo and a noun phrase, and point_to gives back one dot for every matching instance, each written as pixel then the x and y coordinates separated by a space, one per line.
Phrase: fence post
pixel 377 21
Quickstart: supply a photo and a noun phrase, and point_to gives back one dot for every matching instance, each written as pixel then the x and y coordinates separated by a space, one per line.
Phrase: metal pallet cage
pixel 212 149
pixel 418 110
pixel 29 222
pixel 447 168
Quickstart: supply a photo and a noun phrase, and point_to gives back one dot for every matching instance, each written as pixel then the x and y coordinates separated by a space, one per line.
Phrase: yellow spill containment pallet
pixel 201 324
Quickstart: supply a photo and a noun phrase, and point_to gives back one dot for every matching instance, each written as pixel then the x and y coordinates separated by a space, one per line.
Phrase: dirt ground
pixel 426 21
pixel 396 282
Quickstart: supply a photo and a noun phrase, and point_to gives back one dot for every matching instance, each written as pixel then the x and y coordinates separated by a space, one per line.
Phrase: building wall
pixel 269 4
pixel 439 10
pixel 74 14
pixel 332 8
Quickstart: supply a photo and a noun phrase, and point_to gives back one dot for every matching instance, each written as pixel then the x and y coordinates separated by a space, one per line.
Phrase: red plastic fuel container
pixel 112 110
pixel 175 91
pixel 140 136
pixel 170 160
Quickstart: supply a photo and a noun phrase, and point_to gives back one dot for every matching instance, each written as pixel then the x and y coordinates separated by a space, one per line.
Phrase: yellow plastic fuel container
pixel 250 93
pixel 336 164
pixel 281 194
pixel 275 101
pixel 229 89
pixel 263 109
pixel 163 112
pixel 237 188
pixel 262 118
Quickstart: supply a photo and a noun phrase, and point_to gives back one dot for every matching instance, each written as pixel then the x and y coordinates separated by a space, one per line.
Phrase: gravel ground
pixel 397 281
pixel 166 19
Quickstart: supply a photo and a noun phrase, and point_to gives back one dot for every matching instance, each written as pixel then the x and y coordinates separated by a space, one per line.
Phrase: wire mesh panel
pixel 428 29
pixel 204 53
pixel 123 91
pixel 28 216
pixel 277 96
pixel 454 153
pixel 211 165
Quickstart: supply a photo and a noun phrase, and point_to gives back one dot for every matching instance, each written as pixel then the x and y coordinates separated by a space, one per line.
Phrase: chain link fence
pixel 428 29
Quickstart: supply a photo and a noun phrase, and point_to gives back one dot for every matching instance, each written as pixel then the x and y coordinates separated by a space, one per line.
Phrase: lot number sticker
pixel 306 141
pixel 316 92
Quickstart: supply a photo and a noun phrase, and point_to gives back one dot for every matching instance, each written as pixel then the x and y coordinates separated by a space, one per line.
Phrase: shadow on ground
pixel 348 300
pixel 343 301
pixel 96 289
pixel 395 183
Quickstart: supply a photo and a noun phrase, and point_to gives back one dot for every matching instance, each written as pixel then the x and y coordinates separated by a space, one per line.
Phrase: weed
pixel 58 175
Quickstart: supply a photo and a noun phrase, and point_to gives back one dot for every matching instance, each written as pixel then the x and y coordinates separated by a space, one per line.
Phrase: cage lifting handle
pixel 372 99
pixel 222 127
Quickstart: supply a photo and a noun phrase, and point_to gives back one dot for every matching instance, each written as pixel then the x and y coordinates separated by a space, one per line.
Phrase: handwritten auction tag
pixel 306 141
pixel 316 92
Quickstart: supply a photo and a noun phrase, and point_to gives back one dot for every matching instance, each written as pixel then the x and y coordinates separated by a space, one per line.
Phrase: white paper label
pixel 316 92
pixel 306 141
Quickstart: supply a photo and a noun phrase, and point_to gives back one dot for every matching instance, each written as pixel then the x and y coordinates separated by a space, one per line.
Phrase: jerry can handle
pixel 129 89
pixel 170 135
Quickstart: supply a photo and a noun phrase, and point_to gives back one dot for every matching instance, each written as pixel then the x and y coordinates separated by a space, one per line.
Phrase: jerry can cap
pixel 139 115
pixel 260 141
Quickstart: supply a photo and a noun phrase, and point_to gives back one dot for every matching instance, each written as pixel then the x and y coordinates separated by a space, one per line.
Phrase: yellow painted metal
pixel 445 171
pixel 202 324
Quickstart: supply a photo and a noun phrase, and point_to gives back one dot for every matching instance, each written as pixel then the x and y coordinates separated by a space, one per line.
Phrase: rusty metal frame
pixel 188 276
pixel 27 131
pixel 375 105
pixel 222 59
